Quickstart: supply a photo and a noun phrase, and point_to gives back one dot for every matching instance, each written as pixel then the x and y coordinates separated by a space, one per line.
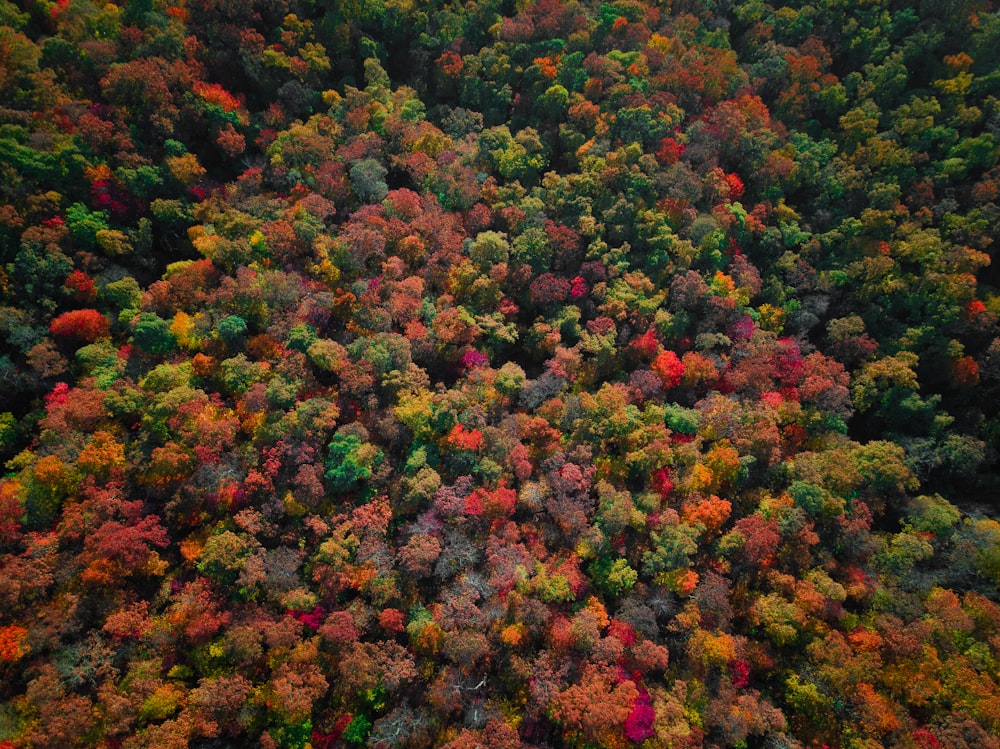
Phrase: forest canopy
pixel 549 373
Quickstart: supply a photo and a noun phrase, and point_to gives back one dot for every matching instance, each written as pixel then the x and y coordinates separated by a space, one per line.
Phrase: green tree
pixel 368 180
pixel 350 461
pixel 151 334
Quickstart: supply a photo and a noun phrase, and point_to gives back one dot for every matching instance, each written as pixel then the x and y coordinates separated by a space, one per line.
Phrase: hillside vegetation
pixel 504 374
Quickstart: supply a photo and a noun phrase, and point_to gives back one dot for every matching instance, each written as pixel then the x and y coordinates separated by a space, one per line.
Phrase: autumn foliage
pixel 86 325
pixel 539 374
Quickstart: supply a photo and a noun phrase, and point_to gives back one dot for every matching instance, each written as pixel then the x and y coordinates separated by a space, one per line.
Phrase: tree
pixel 669 368
pixel 152 335
pixel 86 325
pixel 596 709
pixel 64 718
pixel 350 461
pixel 368 180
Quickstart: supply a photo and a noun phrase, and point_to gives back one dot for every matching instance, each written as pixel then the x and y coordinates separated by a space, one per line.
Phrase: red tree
pixel 85 325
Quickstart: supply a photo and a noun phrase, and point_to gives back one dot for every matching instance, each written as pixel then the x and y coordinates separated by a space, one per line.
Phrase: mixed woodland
pixel 535 373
